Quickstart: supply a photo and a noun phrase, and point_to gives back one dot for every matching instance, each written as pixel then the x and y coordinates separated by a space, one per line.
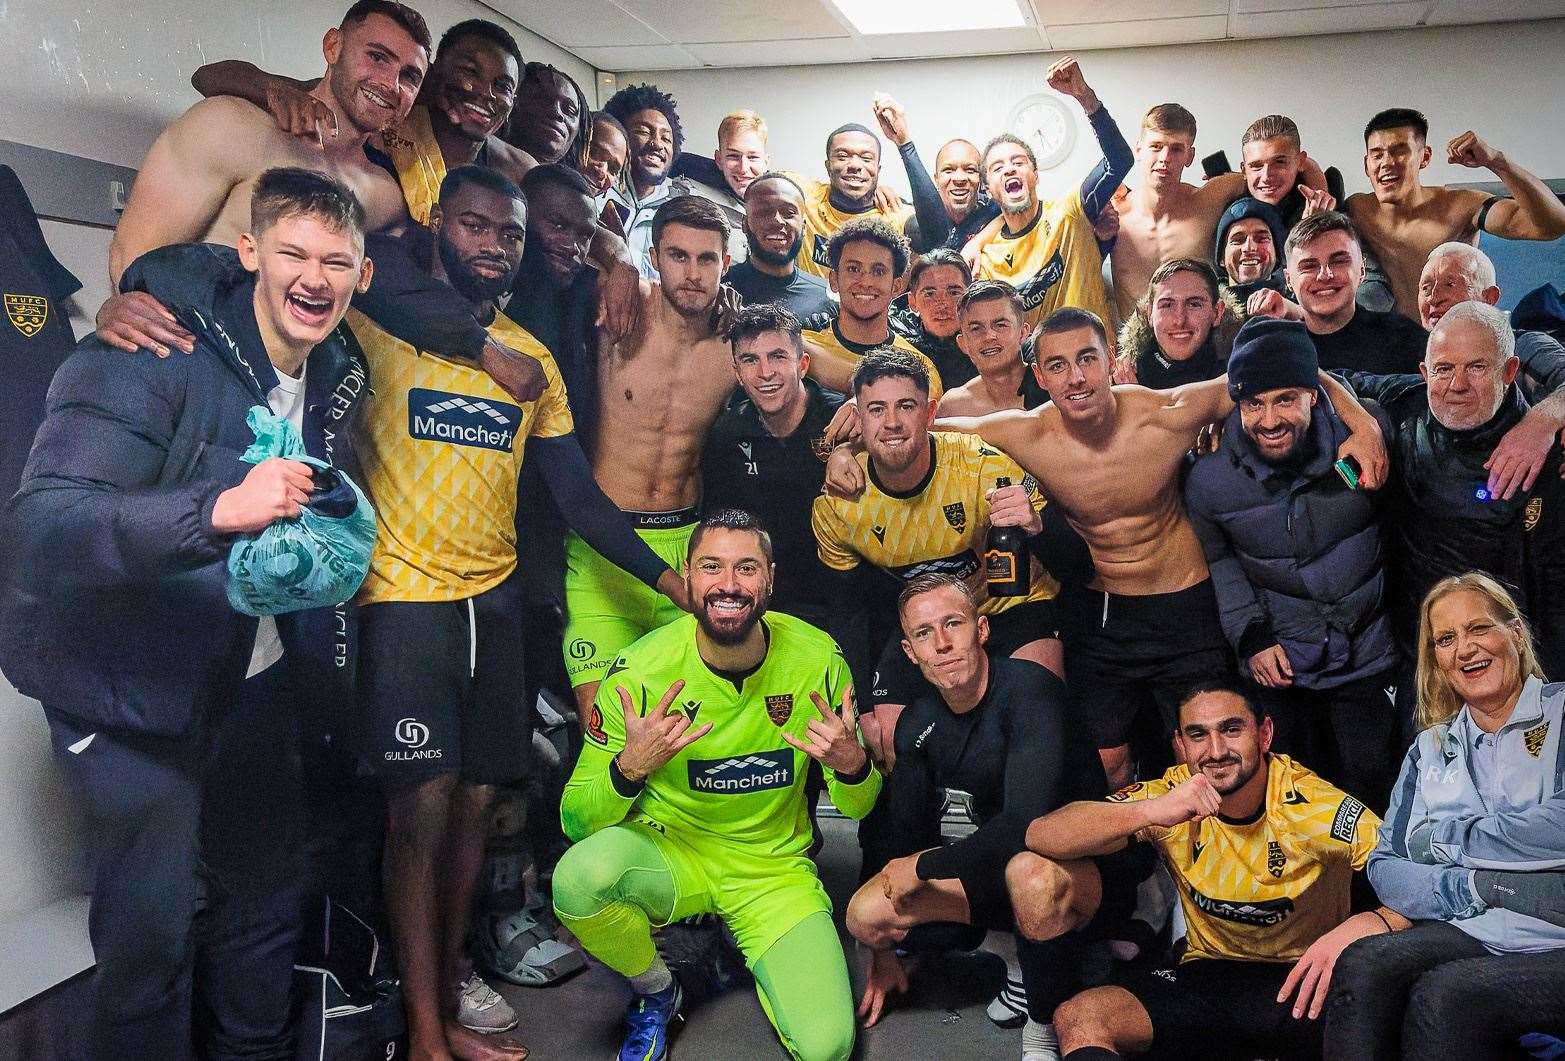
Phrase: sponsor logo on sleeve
pixel 741 774
pixel 462 420
pixel 1347 818
pixel 29 313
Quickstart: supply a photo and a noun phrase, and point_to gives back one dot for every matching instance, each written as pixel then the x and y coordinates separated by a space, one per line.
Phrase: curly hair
pixel 633 99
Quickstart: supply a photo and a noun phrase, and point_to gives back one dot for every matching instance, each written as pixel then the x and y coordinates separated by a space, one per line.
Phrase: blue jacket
pixel 1440 827
pixel 115 611
pixel 1296 557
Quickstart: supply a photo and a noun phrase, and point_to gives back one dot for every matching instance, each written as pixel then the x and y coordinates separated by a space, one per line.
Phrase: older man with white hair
pixel 1476 475
pixel 1456 272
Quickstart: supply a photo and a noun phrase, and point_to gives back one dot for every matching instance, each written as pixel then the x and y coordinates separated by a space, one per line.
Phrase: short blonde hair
pixel 1437 701
pixel 740 122
pixel 1170 118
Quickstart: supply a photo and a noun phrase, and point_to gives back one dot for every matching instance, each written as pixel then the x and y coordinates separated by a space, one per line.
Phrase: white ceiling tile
pixel 737 20
pixel 656 57
pixel 1453 12
pixel 1329 20
pixel 779 53
pixel 1082 12
pixel 1138 34
pixel 1250 7
pixel 588 23
pixel 969 42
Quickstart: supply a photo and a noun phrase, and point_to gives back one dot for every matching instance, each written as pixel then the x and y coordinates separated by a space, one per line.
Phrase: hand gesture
pixel 1470 151
pixel 1009 506
pixel 619 300
pixel 1270 667
pixel 1517 460
pixel 844 477
pixel 725 309
pixel 831 739
pixel 1189 801
pixel 519 375
pixel 887 977
pixel 1065 77
pixel 1311 974
pixel 1316 201
pixel 1267 303
pixel 274 489
pixel 651 742
pixel 892 118
pixel 137 321
pixel 300 114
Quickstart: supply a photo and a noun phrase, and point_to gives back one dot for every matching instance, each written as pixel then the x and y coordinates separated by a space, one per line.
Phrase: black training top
pixel 745 466
pixel 799 293
pixel 1372 342
pixel 1014 753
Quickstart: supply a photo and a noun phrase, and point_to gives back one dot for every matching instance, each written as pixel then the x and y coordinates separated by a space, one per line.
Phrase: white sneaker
pixel 1039 1043
pixel 480 1008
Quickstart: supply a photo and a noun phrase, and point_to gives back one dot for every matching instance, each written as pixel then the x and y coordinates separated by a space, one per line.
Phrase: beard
pixel 773 258
pixel 469 284
pixel 731 629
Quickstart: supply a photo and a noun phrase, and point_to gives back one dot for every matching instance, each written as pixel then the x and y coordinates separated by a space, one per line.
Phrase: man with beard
pixel 867 259
pixel 1176 335
pixel 1402 220
pixel 930 501
pixel 995 729
pixel 196 180
pixel 549 119
pixel 1151 577
pixel 1298 563
pixel 442 717
pixel 659 390
pixel 608 153
pixel 991 334
pixel 1049 250
pixel 929 321
pixel 689 798
pixel 773 231
pixel 1248 251
pixel 1458 503
pixel 1263 853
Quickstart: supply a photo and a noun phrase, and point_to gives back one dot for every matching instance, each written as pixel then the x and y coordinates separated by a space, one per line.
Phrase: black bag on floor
pixel 349 1005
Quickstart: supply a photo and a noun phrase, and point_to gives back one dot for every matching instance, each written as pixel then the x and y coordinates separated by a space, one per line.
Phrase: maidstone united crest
pixel 779 708
pixel 1533 739
pixel 956 515
pixel 28 312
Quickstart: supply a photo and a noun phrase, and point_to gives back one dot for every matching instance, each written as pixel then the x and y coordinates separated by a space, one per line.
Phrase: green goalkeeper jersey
pixel 740 783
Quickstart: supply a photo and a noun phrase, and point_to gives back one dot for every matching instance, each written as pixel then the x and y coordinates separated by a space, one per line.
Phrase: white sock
pixel 1039 1043
pixel 655 979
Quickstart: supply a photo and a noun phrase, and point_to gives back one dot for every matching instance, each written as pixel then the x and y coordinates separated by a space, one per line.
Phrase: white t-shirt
pixel 287 401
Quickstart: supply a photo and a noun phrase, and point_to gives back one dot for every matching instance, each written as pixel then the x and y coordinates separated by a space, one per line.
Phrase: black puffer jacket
pixel 1445 523
pixel 116 611
pixel 1296 556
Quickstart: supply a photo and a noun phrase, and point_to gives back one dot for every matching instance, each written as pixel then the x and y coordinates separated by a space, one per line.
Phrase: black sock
pixel 1091 1053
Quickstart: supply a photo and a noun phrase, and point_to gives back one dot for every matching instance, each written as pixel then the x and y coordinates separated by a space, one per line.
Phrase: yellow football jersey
pixel 822 220
pixel 441 447
pixel 832 339
pixel 1265 890
pixel 420 166
pixel 1054 262
pixel 938 527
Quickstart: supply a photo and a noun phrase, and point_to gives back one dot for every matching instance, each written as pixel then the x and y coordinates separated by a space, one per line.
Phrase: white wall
pixel 101 79
pixel 1502 80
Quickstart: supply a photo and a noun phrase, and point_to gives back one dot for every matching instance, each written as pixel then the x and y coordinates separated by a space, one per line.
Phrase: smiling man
pixel 1174 338
pixel 689 798
pixel 183 758
pixel 773 233
pixel 930 321
pixel 991 334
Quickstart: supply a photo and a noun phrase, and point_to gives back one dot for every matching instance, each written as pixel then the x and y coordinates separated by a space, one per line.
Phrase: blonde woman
pixel 1471 851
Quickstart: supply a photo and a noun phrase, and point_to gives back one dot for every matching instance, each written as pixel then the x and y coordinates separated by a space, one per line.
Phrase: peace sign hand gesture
pixel 831 739
pixel 652 741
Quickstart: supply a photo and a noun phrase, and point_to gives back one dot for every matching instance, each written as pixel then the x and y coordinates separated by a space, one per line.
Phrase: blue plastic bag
pixel 316 560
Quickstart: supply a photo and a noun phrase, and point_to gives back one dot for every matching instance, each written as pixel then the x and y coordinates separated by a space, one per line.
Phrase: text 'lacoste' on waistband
pixel 682 517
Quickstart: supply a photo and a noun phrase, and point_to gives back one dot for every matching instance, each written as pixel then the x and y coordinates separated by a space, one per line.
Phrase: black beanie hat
pixel 1238 210
pixel 1269 354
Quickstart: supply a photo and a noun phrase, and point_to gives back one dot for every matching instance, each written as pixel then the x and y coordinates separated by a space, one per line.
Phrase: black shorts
pixel 1214 1008
pixel 1129 655
pixel 441 688
pixel 898 680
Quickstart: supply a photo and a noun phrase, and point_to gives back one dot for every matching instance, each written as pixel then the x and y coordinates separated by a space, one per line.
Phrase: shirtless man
pixel 1111 457
pixel 990 332
pixel 1401 220
pixel 659 391
pixel 1165 218
pixel 196 180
